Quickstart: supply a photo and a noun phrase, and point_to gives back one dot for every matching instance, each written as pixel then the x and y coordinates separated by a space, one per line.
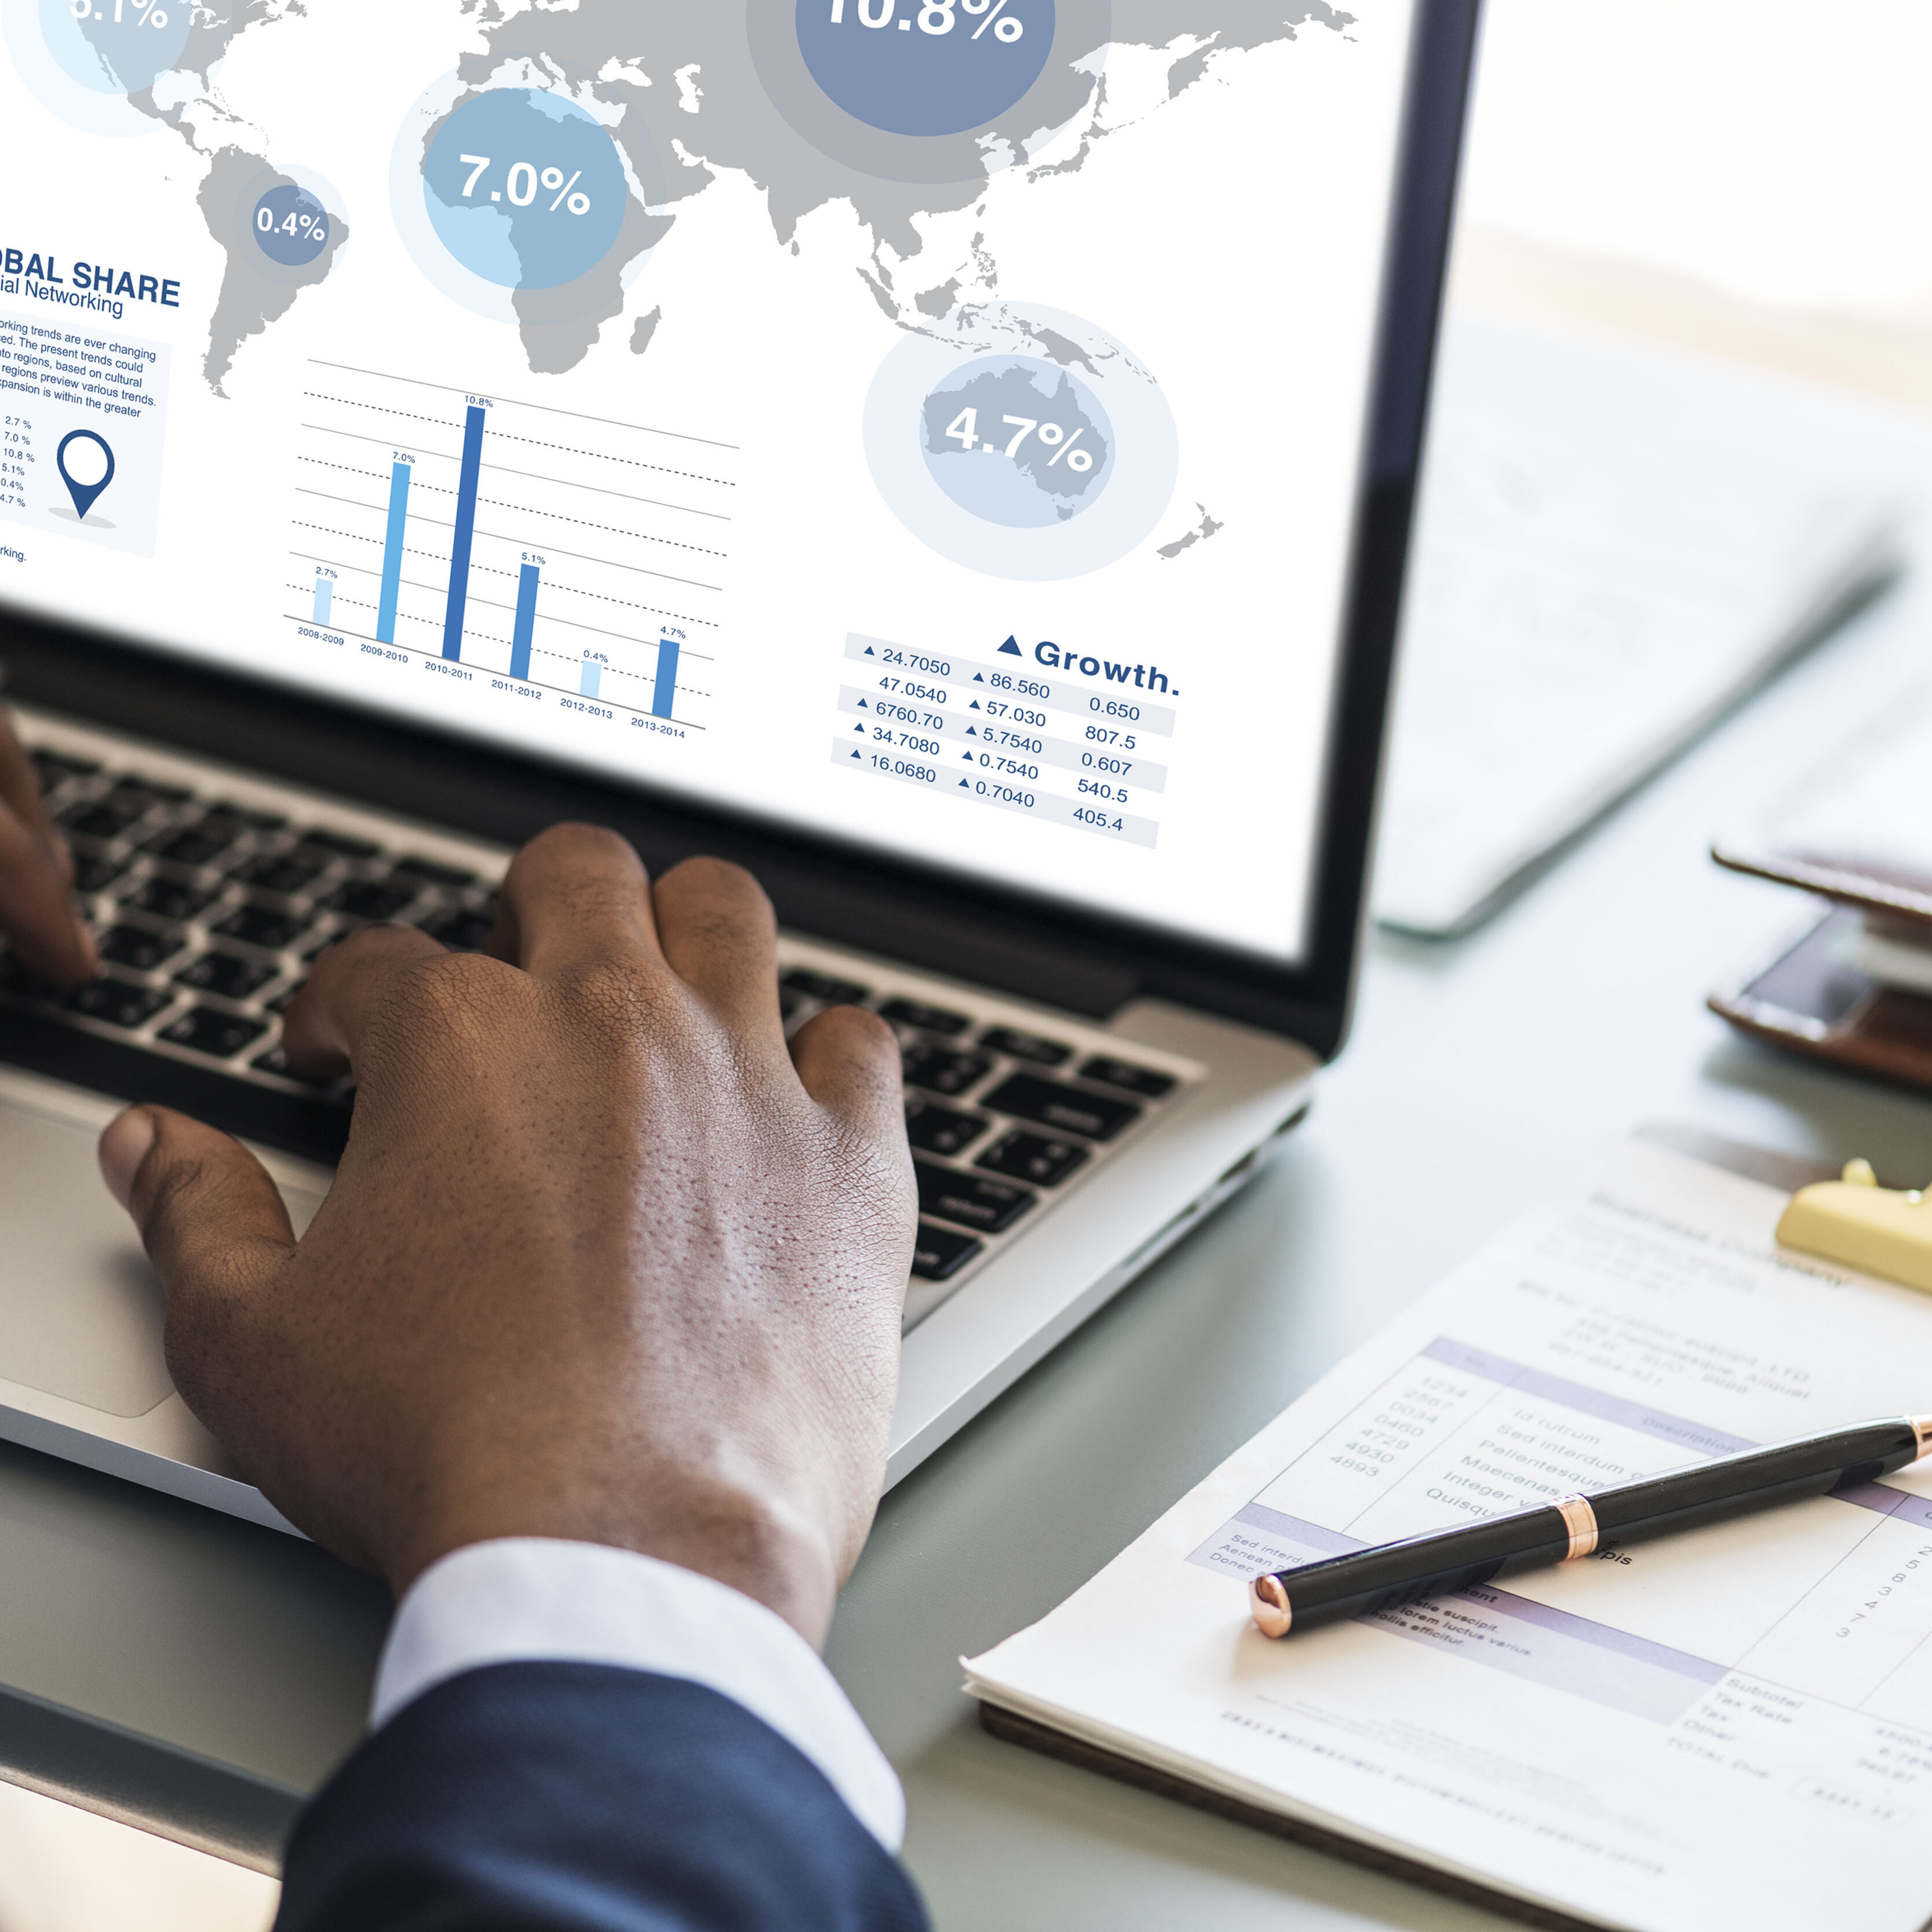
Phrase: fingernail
pixel 123 1147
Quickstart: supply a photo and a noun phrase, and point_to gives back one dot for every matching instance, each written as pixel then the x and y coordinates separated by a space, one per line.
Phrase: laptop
pixel 956 460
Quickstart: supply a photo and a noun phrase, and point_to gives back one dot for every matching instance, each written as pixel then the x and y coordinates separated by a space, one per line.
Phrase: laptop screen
pixel 936 427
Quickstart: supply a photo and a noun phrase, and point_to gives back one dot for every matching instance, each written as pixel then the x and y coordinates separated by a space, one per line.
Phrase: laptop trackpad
pixel 80 1309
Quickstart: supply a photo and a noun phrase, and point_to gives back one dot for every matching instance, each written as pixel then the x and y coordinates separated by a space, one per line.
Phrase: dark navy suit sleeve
pixel 577 1797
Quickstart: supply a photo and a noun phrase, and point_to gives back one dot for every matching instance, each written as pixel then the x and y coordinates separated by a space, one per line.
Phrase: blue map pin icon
pixel 83 494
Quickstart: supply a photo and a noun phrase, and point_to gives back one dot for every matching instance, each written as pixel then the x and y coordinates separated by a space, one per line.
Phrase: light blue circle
pixel 290 226
pixel 1038 485
pixel 908 68
pixel 111 56
pixel 1000 521
pixel 511 228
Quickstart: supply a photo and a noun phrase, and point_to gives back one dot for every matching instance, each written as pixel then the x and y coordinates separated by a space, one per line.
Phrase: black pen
pixel 1436 1565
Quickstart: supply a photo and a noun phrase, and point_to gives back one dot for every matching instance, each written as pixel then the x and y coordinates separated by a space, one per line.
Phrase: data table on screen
pixel 1010 733
pixel 579 554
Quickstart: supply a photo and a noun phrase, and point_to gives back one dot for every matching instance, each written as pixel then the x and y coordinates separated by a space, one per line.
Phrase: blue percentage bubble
pixel 910 68
pixel 524 188
pixel 290 226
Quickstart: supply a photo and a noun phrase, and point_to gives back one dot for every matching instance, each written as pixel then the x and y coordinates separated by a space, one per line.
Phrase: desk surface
pixel 1480 1071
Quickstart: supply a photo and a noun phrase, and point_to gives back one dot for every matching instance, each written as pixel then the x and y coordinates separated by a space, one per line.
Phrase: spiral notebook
pixel 1730 1729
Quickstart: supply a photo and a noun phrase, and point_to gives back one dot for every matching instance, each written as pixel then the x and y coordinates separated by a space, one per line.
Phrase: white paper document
pixel 1728 1729
pixel 1615 544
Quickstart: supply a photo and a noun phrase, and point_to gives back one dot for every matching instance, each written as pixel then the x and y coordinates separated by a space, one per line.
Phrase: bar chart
pixel 552 551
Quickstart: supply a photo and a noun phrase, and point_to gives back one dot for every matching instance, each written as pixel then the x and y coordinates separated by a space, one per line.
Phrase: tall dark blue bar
pixel 465 530
pixel 663 698
pixel 527 620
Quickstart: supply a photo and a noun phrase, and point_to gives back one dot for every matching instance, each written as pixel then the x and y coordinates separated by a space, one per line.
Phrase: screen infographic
pixel 935 426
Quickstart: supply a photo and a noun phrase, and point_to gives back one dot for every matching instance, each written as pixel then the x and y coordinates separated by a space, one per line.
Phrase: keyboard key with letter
pixel 1017 1045
pixel 1129 1078
pixel 219 1035
pixel 940 1130
pixel 1069 1109
pixel 940 1253
pixel 1032 1157
pixel 970 1200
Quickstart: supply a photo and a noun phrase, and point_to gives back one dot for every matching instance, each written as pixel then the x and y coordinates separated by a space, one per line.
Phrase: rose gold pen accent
pixel 1580 1520
pixel 1269 1602
pixel 1921 1429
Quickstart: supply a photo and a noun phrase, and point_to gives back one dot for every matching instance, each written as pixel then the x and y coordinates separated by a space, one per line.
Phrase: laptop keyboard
pixel 209 911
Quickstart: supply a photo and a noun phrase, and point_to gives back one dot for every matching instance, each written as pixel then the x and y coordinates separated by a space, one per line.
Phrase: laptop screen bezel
pixel 1018 940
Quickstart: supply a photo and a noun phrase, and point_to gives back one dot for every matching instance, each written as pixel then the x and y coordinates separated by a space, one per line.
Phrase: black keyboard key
pixel 970 1200
pixel 822 986
pixel 106 820
pixel 220 1035
pixel 139 948
pixel 55 768
pixel 366 899
pixel 196 845
pixel 1017 1045
pixel 464 931
pixel 939 1130
pixel 152 790
pixel 170 898
pixel 118 1003
pixel 939 1254
pixel 431 873
pixel 789 1004
pixel 928 1019
pixel 94 873
pixel 226 973
pixel 1129 1078
pixel 1065 1107
pixel 941 1071
pixel 285 875
pixel 1032 1157
pixel 258 925
pixel 337 844
pixel 243 814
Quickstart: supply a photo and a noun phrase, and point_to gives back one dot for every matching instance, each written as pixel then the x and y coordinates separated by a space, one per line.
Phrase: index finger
pixel 37 911
pixel 20 788
pixel 575 895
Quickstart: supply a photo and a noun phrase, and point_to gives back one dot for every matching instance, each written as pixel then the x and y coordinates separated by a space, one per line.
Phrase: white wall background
pixel 1779 152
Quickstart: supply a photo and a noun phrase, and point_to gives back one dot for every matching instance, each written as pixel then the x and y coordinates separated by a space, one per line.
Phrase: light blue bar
pixel 526 621
pixel 664 698
pixel 325 597
pixel 592 680
pixel 392 554
pixel 465 536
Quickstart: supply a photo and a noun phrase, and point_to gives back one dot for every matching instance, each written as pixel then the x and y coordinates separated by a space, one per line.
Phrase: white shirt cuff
pixel 526 1600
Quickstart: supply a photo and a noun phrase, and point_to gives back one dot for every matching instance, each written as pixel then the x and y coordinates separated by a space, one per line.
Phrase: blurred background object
pixel 1745 176
pixel 63 1870
pixel 1692 290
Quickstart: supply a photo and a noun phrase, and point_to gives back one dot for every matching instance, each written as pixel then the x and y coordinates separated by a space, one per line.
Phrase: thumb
pixel 211 1220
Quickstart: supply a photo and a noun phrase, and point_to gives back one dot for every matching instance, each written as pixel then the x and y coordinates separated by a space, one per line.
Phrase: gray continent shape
pixel 249 299
pixel 735 130
pixel 997 394
pixel 1209 526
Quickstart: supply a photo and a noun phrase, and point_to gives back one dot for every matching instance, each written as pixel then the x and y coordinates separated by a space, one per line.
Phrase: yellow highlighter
pixel 1883 1230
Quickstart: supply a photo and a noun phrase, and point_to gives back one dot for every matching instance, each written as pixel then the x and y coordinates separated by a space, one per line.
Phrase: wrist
pixel 771 1553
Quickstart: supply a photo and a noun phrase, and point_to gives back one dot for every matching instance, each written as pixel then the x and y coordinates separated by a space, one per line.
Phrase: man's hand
pixel 603 1261
pixel 37 910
